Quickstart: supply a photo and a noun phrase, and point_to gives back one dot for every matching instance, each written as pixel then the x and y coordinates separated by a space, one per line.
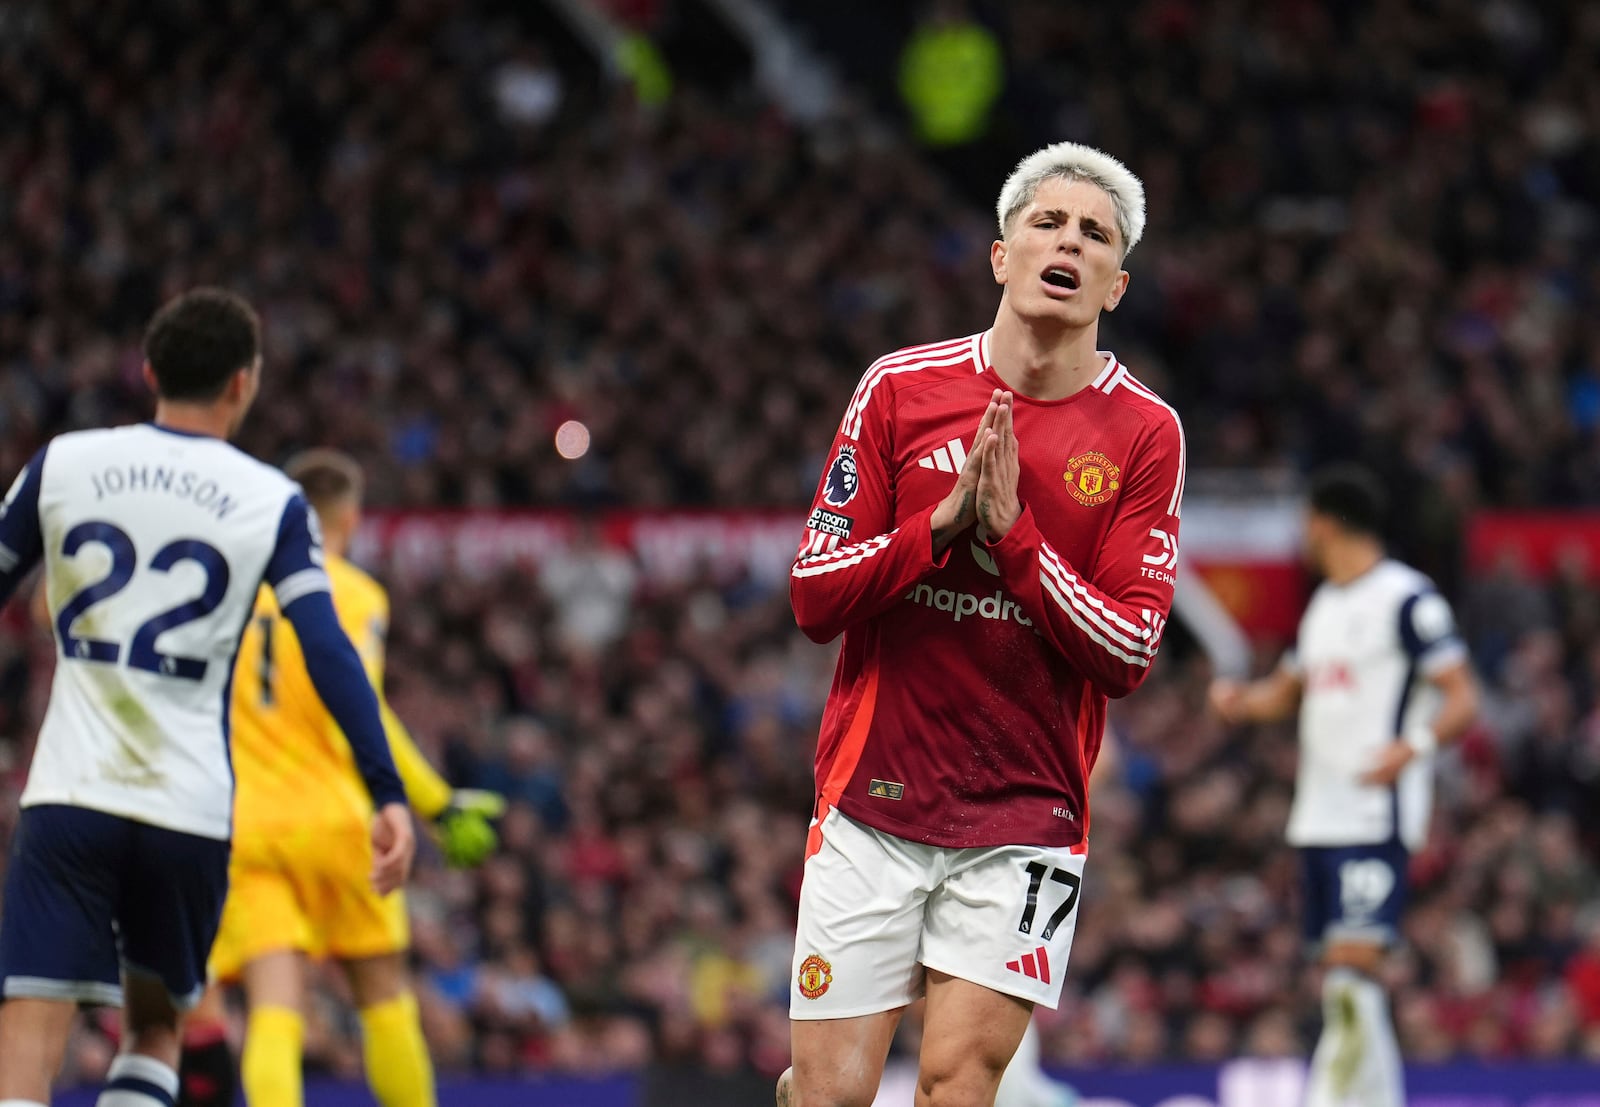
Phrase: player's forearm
pixel 1111 640
pixel 1270 700
pixel 833 591
pixel 949 520
pixel 1458 710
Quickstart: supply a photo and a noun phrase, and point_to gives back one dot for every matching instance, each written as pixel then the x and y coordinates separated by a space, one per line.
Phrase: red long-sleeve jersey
pixel 969 701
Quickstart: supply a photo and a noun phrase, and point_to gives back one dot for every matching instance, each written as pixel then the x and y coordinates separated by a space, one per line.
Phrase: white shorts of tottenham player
pixel 876 909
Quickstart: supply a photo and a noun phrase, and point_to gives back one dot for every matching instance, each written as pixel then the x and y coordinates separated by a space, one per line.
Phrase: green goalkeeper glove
pixel 466 836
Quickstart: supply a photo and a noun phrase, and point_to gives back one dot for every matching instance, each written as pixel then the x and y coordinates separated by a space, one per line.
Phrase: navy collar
pixel 153 425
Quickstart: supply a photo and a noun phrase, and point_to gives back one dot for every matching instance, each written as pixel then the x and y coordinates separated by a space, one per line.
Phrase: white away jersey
pixel 154 543
pixel 1363 656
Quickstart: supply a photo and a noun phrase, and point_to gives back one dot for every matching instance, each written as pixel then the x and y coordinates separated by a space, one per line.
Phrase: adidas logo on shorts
pixel 1035 965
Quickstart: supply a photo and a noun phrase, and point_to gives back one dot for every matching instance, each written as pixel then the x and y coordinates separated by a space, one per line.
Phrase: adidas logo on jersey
pixel 948 458
pixel 963 604
pixel 1035 965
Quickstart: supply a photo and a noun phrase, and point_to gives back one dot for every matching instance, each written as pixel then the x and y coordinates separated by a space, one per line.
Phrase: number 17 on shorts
pixel 875 909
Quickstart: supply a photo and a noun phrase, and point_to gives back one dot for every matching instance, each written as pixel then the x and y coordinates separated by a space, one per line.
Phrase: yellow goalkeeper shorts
pixel 308 890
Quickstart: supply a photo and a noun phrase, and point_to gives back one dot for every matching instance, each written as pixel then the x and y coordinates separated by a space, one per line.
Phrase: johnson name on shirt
pixel 186 485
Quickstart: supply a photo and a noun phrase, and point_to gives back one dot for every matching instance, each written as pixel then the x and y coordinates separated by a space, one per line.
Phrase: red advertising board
pixel 1533 542
pixel 1245 554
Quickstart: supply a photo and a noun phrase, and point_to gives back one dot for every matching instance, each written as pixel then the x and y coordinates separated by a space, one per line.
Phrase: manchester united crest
pixel 815 976
pixel 1092 478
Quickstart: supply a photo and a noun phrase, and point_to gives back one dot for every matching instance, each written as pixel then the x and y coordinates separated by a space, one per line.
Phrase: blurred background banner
pixel 1245 549
pixel 1540 543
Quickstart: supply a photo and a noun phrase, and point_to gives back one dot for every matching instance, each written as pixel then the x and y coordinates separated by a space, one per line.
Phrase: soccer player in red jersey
pixel 996 537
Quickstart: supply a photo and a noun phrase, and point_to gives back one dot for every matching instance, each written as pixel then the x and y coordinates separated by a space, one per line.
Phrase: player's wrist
pixel 955 511
pixel 1422 739
pixel 1004 523
pixel 389 796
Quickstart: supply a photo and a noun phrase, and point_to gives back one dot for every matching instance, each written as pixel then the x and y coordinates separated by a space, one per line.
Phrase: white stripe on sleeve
pixel 1128 641
pixel 1131 659
pixel 299 585
pixel 842 558
pixel 1092 604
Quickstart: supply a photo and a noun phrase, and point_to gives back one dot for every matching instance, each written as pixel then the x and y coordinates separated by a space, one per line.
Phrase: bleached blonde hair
pixel 1073 161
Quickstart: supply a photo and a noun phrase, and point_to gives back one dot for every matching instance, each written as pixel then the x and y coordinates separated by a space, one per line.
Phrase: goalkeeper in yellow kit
pixel 298 880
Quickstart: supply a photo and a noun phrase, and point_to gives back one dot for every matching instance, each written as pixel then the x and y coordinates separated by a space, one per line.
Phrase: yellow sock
pixel 399 1071
pixel 274 1040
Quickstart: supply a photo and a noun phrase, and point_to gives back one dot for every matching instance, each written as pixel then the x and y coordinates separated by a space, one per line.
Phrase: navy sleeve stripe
pixel 1412 641
pixel 21 543
pixel 299 545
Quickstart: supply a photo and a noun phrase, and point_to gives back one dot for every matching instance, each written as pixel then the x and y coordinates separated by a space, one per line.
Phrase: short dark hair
pixel 328 477
pixel 1351 496
pixel 197 342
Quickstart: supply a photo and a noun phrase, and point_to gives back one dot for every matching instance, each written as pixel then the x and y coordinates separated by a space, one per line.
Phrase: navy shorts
pixel 88 895
pixel 1354 893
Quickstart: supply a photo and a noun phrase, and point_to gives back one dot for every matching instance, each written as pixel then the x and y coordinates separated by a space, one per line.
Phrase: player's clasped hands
pixel 981 483
pixel 998 504
pixel 393 844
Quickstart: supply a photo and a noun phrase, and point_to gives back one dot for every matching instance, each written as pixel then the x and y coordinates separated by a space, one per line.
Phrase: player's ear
pixel 242 385
pixel 997 260
pixel 149 376
pixel 1118 287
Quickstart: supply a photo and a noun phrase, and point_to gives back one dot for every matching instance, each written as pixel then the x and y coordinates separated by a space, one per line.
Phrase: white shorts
pixel 875 910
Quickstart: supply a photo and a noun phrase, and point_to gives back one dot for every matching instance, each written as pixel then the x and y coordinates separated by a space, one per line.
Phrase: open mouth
pixel 1058 277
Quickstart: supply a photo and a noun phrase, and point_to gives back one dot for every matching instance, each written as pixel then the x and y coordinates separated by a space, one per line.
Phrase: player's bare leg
pixel 399 1071
pixel 150 1021
pixel 1363 957
pixel 375 980
pixel 274 1039
pixel 969 1033
pixel 33 1041
pixel 838 1062
pixel 212 1010
pixel 145 1073
pixel 276 979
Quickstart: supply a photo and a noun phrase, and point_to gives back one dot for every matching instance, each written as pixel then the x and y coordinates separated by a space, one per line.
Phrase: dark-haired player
pixel 154 539
pixel 1380 679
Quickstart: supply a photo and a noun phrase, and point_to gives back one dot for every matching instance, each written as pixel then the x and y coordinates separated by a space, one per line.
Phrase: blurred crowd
pixel 454 252
pixel 1371 231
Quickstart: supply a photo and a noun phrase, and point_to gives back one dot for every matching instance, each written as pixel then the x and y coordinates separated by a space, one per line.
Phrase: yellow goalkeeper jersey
pixel 292 766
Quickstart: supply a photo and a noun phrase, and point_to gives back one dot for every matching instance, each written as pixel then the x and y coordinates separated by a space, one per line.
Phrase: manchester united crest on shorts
pixel 815 976
pixel 1092 478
